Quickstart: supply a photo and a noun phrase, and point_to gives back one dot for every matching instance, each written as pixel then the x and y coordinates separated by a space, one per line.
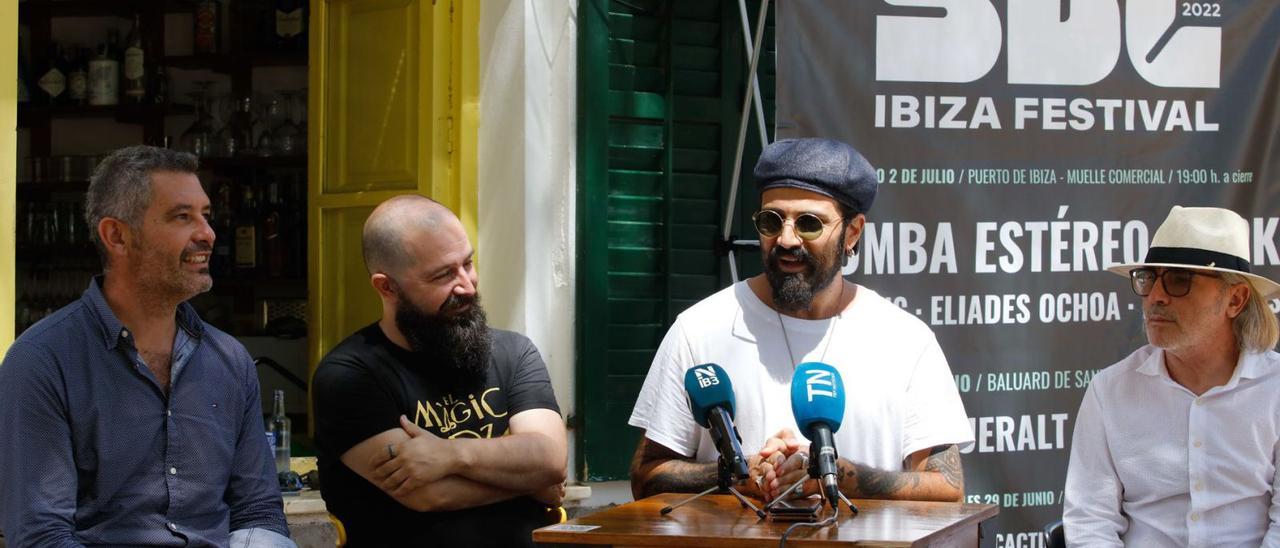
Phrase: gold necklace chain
pixel 830 330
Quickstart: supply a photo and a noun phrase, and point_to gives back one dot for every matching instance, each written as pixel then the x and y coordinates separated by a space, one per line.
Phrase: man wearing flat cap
pixel 903 417
pixel 1178 444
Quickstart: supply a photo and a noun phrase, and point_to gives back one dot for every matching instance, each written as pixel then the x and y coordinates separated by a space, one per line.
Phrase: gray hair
pixel 121 186
pixel 1255 328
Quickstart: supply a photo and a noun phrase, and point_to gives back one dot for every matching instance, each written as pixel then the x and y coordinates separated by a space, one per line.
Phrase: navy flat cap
pixel 825 166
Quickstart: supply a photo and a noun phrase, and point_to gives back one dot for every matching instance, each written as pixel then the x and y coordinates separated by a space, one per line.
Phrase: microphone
pixel 817 401
pixel 711 402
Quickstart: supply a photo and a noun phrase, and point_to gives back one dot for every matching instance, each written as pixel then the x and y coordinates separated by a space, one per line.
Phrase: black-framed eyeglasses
pixel 809 227
pixel 1177 281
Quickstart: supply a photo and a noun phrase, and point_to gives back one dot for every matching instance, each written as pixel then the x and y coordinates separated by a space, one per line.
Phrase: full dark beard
pixel 460 344
pixel 794 292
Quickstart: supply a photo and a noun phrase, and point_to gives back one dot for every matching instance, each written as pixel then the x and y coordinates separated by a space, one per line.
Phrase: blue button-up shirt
pixel 92 451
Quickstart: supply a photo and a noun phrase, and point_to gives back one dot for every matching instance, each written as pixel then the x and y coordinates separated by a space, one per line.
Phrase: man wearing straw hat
pixel 1176 445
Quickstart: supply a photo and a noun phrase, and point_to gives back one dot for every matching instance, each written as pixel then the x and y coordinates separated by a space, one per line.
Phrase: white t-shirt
pixel 900 396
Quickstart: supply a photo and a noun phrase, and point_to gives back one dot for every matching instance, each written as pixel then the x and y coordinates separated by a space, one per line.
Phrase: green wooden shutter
pixel 660 86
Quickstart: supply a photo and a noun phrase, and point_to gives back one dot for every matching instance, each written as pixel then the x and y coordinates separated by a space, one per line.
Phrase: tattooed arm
pixel 657 469
pixel 930 474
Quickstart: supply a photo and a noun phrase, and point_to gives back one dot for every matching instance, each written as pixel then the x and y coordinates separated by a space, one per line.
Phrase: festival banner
pixel 1024 146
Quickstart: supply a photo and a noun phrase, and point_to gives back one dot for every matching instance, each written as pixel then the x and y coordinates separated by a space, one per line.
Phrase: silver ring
pixel 391 450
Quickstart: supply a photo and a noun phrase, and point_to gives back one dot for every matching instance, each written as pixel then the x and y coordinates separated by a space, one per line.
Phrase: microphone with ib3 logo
pixel 711 402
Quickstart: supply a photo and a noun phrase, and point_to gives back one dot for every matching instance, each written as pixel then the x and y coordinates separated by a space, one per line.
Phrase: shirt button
pixel 173 527
pixel 1195 516
pixel 124 333
pixel 1199 486
pixel 1197 443
pixel 168 412
pixel 173 471
pixel 1199 401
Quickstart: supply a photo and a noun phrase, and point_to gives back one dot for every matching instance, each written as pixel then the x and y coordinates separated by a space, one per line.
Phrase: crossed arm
pixel 929 474
pixel 429 473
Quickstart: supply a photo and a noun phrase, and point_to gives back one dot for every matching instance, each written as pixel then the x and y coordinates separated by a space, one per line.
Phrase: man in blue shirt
pixel 126 419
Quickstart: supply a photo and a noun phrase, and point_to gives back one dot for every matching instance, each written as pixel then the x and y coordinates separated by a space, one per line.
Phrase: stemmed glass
pixel 288 136
pixel 271 116
pixel 197 139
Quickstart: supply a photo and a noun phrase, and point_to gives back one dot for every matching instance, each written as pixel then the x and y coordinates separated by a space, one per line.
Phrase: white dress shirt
pixel 1154 465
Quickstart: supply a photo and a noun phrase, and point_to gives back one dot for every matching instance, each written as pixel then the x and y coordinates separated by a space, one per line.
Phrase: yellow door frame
pixel 451 111
pixel 8 167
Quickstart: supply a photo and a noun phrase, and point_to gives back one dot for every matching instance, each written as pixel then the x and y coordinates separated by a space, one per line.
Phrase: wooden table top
pixel 719 520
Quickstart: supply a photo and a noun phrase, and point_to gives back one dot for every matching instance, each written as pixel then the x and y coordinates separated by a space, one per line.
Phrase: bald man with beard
pixel 431 427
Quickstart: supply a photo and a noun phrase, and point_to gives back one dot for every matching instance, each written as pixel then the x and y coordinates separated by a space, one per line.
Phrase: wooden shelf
pixel 33 9
pixel 228 63
pixel 253 162
pixel 29 115
pixel 28 190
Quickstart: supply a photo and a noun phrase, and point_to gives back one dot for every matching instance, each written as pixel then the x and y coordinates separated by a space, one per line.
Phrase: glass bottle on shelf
pixel 295 226
pixel 115 50
pixel 224 232
pixel 78 80
pixel 24 76
pixel 104 78
pixel 206 28
pixel 239 135
pixel 135 73
pixel 246 244
pixel 53 82
pixel 272 232
pixel 290 27
pixel 160 86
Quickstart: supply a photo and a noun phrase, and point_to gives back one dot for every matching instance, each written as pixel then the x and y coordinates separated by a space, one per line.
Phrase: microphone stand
pixel 724 483
pixel 813 474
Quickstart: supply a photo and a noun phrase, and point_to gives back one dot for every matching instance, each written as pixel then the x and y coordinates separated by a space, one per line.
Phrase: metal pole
pixel 755 83
pixel 747 96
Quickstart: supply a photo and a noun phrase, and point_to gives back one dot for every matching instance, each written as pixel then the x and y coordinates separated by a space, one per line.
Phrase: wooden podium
pixel 719 520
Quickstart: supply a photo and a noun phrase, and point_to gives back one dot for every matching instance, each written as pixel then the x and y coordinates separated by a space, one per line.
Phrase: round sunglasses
pixel 1177 281
pixel 808 227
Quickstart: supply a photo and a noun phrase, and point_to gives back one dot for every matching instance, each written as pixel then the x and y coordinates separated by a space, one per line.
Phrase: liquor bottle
pixel 272 236
pixel 78 80
pixel 54 80
pixel 279 432
pixel 104 78
pixel 135 72
pixel 291 25
pixel 206 28
pixel 24 89
pixel 247 233
pixel 224 232
pixel 160 87
pixel 239 138
pixel 295 227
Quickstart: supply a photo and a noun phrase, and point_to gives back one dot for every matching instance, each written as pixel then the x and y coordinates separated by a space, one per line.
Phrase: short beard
pixel 794 292
pixel 460 343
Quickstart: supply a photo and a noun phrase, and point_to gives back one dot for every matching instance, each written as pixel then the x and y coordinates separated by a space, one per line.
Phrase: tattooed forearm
pixel 863 481
pixel 945 460
pixel 656 469
pixel 681 477
pixel 939 477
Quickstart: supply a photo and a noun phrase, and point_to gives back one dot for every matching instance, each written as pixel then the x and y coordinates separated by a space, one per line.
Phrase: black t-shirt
pixel 360 390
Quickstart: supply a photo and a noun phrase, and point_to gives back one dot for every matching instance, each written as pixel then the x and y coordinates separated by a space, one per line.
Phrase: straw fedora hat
pixel 1203 238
